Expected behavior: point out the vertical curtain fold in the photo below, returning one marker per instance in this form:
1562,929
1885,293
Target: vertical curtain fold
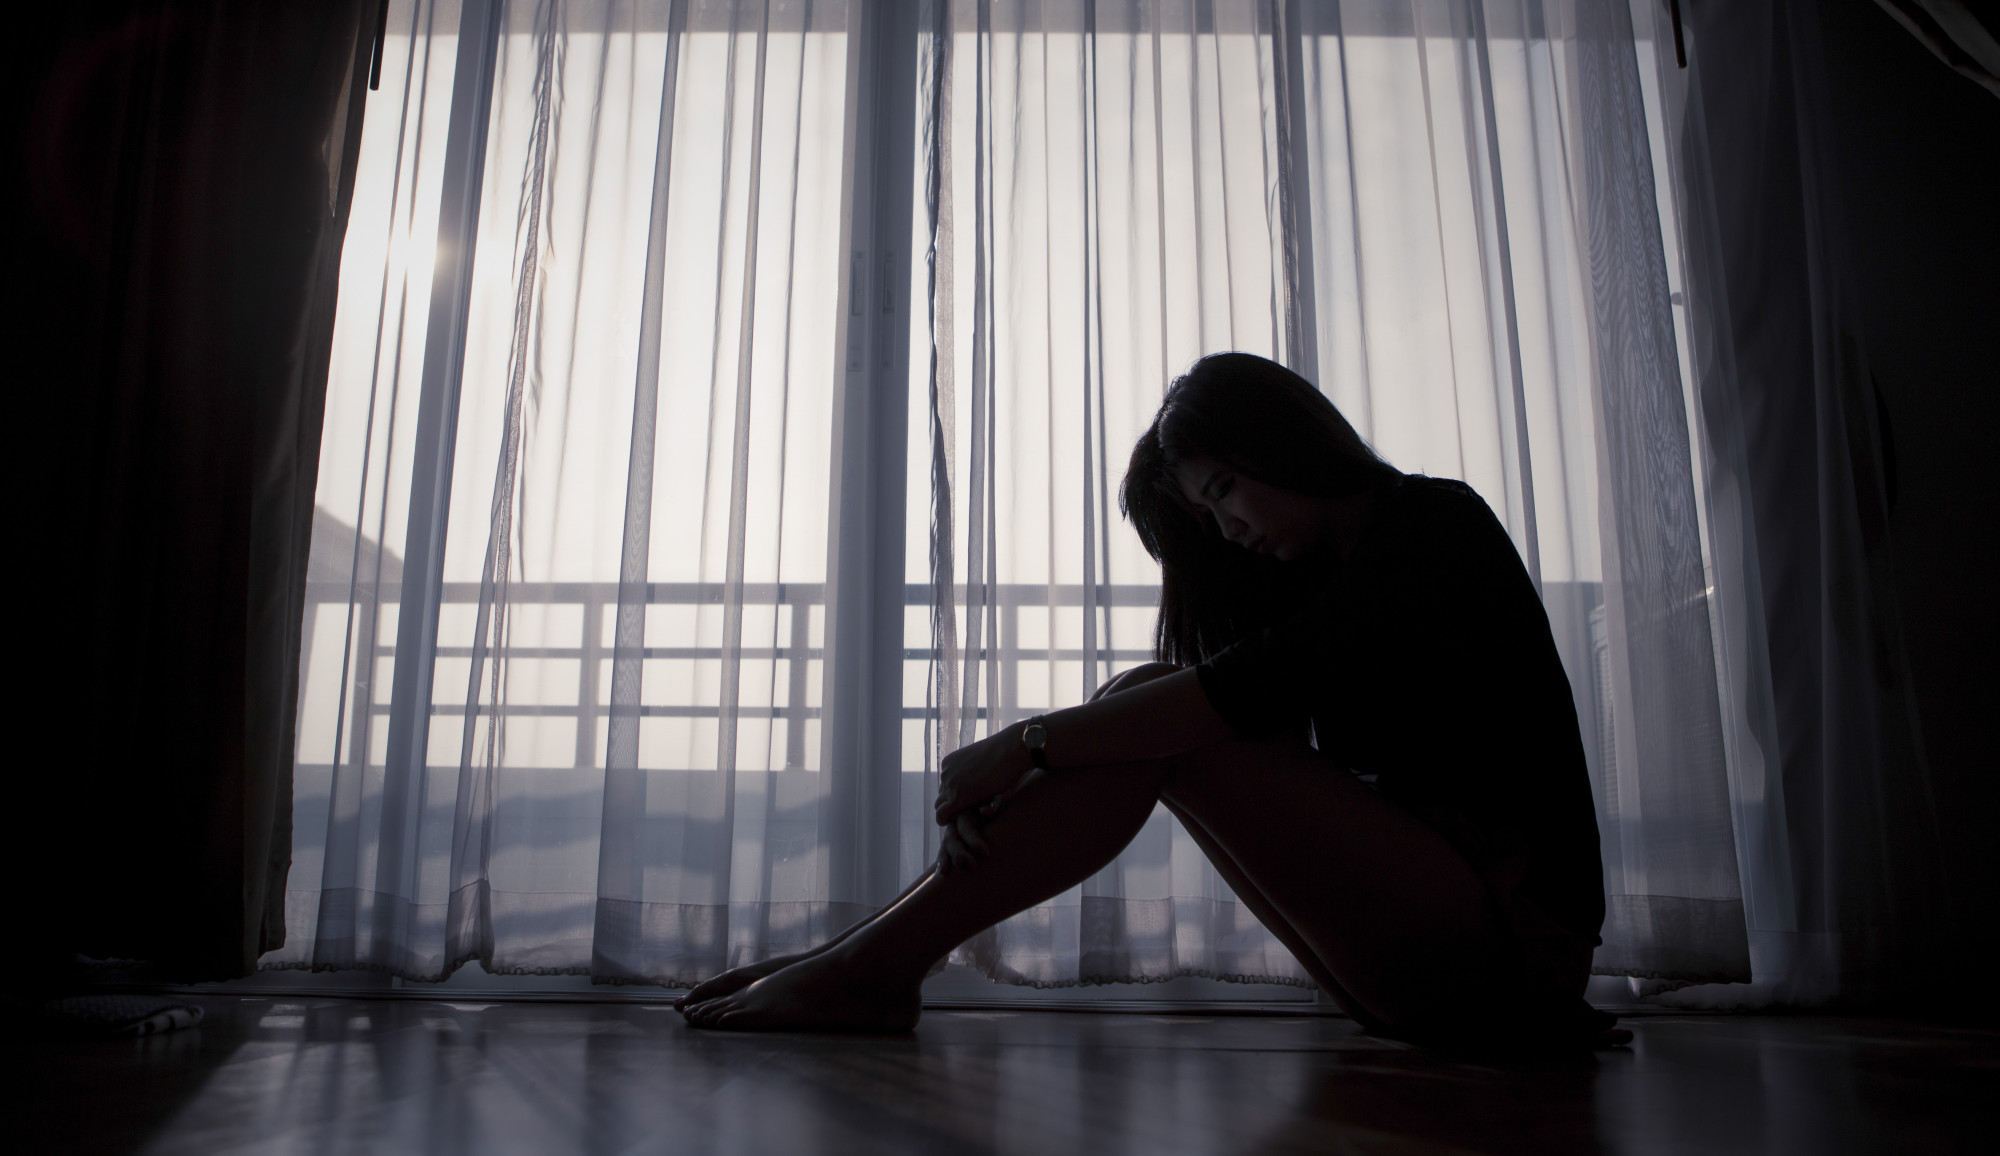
617,935
1675,907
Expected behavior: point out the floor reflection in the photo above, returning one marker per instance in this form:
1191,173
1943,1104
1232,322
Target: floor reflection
326,1075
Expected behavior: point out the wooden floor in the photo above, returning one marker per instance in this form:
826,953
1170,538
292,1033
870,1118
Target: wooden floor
394,1076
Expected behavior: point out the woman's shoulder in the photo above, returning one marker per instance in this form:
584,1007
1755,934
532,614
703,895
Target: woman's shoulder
1437,526
1417,501
1425,490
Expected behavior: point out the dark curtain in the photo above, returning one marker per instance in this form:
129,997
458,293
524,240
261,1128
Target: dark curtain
1853,191
181,175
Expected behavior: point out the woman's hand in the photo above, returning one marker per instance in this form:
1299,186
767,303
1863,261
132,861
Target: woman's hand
982,774
962,846
1165,713
976,781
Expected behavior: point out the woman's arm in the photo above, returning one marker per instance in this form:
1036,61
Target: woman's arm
1158,719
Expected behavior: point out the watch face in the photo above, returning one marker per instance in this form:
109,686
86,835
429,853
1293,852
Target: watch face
1035,735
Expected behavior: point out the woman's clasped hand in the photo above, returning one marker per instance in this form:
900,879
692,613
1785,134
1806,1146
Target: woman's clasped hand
976,781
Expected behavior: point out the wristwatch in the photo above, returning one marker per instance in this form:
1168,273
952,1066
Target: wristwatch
1035,737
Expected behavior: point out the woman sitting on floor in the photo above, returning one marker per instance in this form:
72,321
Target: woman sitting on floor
1325,620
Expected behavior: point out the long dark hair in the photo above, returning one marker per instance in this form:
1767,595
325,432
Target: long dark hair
1268,423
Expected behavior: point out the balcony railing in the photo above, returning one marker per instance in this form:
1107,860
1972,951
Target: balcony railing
796,651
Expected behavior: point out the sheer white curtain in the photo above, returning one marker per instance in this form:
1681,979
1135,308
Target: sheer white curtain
566,629
1445,214
659,554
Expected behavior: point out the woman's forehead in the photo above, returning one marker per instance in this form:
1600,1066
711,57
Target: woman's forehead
1194,474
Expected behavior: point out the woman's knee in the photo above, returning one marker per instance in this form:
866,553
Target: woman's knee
1138,675
1145,672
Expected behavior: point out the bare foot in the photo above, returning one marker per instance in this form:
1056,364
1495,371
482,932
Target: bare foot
738,978
822,993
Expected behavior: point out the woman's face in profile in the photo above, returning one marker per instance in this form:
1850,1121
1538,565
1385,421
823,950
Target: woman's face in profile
1255,515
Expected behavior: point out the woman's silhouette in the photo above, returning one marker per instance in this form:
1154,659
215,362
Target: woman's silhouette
1358,713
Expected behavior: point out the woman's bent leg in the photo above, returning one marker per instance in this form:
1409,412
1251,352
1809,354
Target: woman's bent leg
1253,897
1048,839
1367,896
1374,896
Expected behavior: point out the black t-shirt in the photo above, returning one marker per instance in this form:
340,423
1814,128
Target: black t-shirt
1425,660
